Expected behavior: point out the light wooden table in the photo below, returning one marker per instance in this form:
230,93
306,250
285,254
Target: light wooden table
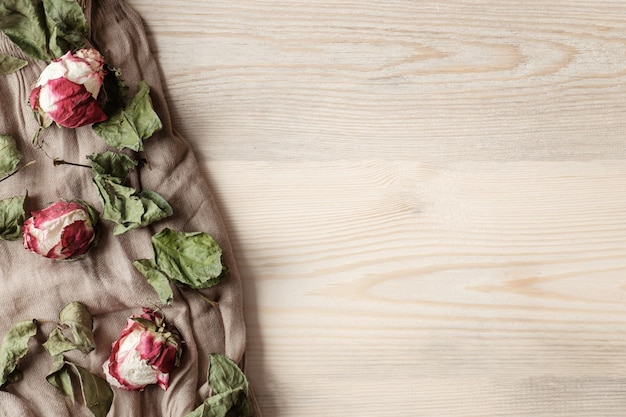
427,199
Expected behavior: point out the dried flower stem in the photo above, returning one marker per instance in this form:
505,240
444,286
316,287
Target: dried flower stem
58,162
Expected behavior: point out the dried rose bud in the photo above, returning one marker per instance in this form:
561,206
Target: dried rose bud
67,90
145,353
64,230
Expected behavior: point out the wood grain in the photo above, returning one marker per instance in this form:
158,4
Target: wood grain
406,289
495,80
426,199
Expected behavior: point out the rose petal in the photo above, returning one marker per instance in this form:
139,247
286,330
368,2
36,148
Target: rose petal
163,380
55,211
166,361
60,231
157,351
141,355
73,106
76,239
125,368
34,98
148,347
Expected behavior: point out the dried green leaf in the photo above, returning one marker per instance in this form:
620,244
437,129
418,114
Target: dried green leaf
127,208
58,343
95,392
157,279
10,156
191,259
224,375
14,347
24,23
9,64
131,126
230,391
66,24
153,208
123,205
112,164
12,216
117,200
141,113
59,377
44,29
76,319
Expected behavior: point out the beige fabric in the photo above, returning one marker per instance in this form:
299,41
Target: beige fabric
33,287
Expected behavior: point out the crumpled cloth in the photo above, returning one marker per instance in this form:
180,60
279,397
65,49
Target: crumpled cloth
33,287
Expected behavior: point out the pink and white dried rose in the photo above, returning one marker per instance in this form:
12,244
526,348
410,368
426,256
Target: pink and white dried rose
145,353
65,230
67,90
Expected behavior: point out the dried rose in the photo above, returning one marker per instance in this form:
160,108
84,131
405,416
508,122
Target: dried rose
68,88
64,230
145,353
